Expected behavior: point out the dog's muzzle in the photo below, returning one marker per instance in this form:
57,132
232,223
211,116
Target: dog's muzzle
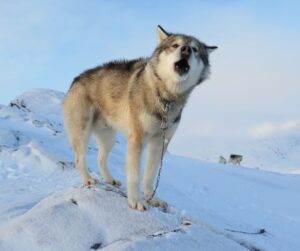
182,66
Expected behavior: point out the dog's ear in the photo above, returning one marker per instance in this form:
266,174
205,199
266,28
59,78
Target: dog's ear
210,49
161,34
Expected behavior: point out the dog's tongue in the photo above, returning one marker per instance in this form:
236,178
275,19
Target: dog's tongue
182,66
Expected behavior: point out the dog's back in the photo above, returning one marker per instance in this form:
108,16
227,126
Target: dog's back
101,91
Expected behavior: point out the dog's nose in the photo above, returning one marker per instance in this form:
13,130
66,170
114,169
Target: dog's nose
186,51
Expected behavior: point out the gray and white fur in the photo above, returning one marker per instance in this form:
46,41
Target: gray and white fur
129,96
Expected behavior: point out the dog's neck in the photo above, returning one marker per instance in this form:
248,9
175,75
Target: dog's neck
161,92
167,100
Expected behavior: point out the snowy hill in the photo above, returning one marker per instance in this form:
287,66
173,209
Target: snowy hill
278,152
212,207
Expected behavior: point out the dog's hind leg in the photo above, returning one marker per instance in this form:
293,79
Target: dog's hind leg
105,138
78,119
79,145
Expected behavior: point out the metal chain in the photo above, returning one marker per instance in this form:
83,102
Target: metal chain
160,166
164,127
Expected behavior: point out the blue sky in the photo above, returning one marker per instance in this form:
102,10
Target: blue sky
255,71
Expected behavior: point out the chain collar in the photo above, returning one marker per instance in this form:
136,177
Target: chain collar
166,106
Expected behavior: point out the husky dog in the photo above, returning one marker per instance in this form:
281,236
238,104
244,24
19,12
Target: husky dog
141,98
222,160
235,159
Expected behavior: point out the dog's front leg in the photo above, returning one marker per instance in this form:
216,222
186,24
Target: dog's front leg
155,153
133,159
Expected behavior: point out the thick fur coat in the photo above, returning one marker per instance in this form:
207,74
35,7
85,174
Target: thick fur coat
130,97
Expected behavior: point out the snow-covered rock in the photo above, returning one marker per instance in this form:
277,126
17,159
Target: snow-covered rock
99,218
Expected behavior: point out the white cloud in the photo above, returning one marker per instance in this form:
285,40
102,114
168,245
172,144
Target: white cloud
263,130
269,129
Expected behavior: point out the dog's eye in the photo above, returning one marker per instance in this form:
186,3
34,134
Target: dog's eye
175,46
195,49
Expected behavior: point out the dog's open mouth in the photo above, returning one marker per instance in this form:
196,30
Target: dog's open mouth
182,66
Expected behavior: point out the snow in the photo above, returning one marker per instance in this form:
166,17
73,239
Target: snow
43,205
82,217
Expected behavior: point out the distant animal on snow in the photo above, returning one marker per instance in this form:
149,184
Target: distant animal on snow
222,160
235,159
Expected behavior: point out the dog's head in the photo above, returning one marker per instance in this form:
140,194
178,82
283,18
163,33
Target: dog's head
180,61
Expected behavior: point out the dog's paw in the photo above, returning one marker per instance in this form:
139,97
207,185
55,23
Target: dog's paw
114,182
140,205
155,202
91,181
